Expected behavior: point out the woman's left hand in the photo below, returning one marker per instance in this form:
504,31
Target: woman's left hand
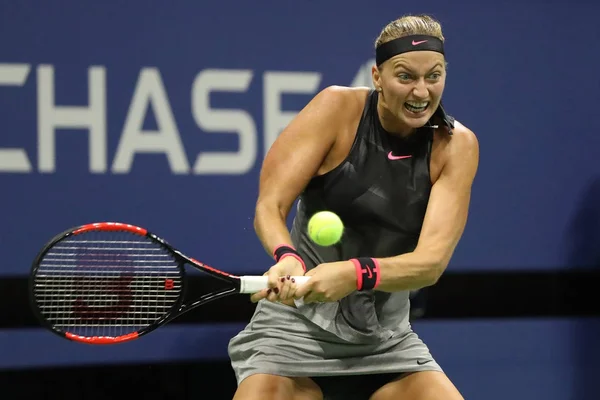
328,282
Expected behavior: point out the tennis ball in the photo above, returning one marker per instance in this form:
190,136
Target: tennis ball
325,228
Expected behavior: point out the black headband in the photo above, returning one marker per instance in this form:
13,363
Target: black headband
406,44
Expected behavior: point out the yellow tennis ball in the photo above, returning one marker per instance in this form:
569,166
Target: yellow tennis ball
325,228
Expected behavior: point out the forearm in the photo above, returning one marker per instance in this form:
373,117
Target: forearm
409,271
270,226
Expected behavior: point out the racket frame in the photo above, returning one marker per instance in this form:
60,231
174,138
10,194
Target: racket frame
178,308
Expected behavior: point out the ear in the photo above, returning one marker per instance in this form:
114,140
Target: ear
376,75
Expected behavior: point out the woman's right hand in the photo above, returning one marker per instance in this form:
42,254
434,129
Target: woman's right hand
281,285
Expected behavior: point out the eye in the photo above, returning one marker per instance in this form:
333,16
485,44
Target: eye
435,76
404,76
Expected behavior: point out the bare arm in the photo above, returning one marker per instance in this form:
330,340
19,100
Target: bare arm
444,222
293,159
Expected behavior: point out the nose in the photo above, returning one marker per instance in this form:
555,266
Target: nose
420,90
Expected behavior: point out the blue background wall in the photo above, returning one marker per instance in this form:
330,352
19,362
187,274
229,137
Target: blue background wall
171,83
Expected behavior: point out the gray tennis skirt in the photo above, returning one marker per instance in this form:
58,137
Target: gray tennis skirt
317,340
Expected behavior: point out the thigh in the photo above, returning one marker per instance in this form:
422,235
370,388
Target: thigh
424,385
275,387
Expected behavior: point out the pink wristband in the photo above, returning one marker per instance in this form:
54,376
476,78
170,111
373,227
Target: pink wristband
284,250
367,273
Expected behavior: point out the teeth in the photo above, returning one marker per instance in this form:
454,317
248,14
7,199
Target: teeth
417,104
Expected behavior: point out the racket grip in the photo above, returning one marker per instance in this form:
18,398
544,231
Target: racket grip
253,284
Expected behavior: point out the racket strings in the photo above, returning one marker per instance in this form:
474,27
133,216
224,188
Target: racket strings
106,283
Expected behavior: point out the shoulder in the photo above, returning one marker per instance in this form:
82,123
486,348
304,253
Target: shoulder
463,141
344,99
329,113
459,152
462,138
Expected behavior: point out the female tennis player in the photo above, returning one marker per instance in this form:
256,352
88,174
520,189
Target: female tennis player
398,170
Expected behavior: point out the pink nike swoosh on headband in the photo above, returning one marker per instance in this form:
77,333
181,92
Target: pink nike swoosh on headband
419,42
393,157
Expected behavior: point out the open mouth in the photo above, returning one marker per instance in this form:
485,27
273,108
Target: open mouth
416,107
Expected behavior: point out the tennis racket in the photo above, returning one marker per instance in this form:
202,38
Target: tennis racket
109,282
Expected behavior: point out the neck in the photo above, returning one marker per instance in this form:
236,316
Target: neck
390,123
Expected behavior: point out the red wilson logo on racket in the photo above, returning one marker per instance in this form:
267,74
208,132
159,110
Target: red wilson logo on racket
117,288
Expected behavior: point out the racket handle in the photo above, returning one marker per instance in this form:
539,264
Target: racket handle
253,284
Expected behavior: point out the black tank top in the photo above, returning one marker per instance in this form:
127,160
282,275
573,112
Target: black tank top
380,191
